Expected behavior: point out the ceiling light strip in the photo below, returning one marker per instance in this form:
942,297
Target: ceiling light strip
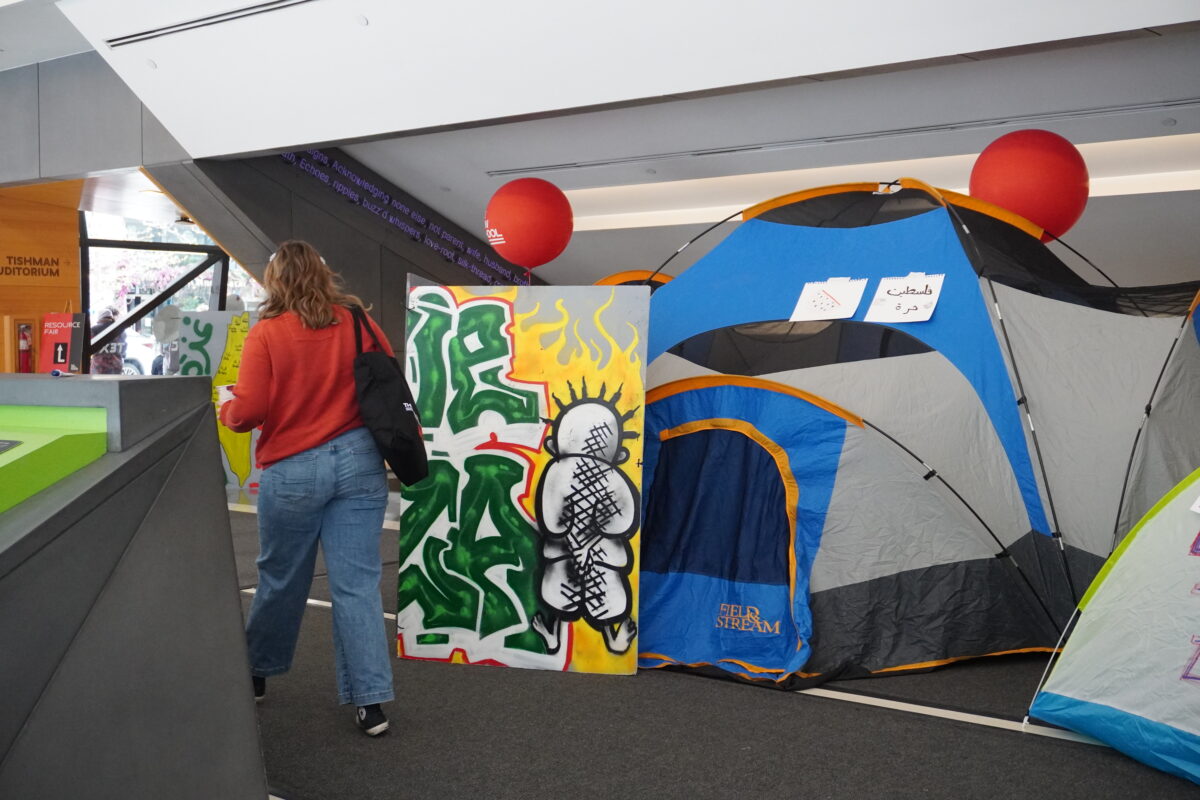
1191,102
656,218
204,22
1112,186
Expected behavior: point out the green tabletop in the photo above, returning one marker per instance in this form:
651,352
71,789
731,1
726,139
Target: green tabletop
41,445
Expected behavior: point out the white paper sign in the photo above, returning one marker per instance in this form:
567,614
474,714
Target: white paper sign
1196,505
909,299
836,298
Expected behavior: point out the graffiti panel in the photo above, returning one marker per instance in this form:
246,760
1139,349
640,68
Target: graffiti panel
210,343
521,546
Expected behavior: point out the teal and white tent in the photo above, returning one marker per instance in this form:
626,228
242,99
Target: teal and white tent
1130,672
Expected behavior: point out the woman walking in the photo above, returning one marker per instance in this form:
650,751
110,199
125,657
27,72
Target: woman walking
323,480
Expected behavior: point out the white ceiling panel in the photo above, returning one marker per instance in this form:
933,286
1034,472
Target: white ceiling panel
1131,105
658,118
331,70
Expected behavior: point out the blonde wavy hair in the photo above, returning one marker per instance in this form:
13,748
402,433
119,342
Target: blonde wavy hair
298,280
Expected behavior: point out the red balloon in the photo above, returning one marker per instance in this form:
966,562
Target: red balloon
1034,173
529,222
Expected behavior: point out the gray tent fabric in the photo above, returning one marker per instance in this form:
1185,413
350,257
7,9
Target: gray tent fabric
900,395
1167,450
899,557
668,368
1087,375
909,523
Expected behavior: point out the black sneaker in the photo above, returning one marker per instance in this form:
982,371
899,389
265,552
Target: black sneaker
371,720
260,688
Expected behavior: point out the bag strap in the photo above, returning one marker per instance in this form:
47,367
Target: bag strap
360,322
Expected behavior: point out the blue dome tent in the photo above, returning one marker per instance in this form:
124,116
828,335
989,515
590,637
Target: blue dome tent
845,498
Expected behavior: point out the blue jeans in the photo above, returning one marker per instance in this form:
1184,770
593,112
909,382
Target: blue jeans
334,494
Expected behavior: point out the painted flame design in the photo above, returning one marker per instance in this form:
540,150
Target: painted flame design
556,354
570,360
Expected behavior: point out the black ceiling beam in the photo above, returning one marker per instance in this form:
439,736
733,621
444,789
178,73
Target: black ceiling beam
122,244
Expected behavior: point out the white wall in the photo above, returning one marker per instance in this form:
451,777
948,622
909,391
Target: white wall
333,70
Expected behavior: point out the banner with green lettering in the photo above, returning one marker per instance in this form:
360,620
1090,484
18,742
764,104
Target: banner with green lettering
520,548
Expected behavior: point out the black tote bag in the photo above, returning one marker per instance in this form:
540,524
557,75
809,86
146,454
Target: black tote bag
387,407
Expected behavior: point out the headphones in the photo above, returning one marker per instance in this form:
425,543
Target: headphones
272,258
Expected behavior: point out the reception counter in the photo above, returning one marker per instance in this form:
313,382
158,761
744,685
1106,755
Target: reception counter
123,662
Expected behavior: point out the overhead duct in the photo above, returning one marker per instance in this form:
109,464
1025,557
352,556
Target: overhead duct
204,22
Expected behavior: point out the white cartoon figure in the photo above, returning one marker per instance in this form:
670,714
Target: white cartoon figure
587,511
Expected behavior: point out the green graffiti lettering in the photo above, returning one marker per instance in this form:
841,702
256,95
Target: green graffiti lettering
446,599
198,361
427,499
480,354
490,479
434,320
452,587
470,550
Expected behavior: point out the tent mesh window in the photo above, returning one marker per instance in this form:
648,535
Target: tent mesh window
719,509
763,348
998,250
852,209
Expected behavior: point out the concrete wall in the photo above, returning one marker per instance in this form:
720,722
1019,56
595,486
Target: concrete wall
124,659
251,205
73,117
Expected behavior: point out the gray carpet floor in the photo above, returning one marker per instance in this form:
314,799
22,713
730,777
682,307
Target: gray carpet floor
997,687
472,731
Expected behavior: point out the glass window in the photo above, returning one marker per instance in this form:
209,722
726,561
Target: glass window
244,287
123,278
107,226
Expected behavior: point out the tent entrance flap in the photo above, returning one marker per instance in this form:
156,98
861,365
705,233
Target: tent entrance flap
733,526
734,594
769,544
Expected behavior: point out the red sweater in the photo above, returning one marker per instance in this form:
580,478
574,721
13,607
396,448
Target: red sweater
297,383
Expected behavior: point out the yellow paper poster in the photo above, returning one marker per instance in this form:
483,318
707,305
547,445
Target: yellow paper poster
211,343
